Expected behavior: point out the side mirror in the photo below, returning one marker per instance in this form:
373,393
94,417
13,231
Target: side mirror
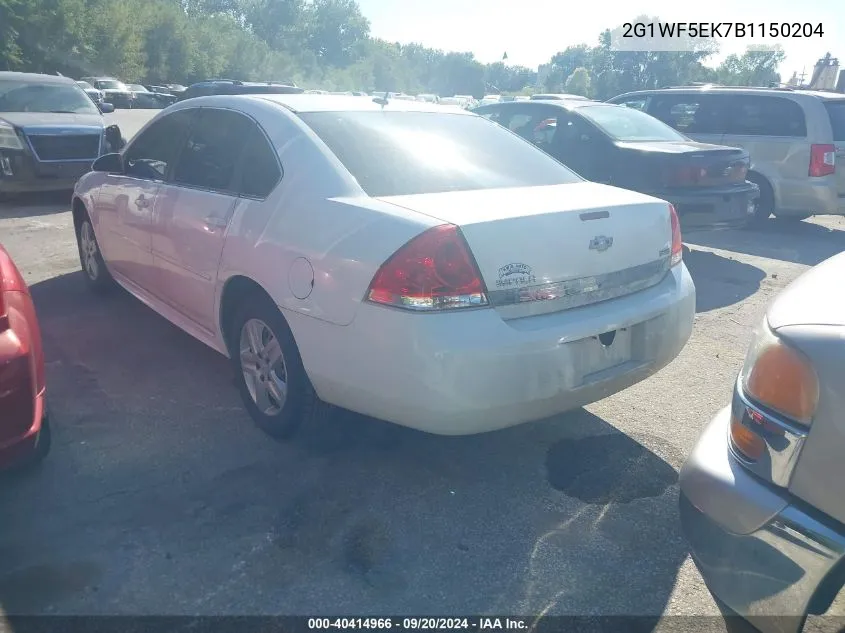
109,163
106,108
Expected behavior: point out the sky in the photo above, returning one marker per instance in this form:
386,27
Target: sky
531,31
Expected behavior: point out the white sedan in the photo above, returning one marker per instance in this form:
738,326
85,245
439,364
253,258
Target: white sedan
411,262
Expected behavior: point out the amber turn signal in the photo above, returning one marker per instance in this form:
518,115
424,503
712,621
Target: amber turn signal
746,441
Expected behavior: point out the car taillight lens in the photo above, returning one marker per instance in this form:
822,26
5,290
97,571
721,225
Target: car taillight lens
4,318
822,160
434,271
780,378
677,242
685,176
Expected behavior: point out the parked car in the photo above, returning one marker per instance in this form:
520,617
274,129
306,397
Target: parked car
115,92
24,416
295,232
50,133
629,149
145,98
761,494
96,96
557,97
234,87
793,136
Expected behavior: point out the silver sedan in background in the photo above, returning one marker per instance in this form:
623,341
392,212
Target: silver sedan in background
762,501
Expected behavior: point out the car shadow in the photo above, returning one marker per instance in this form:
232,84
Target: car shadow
161,497
798,242
34,204
720,281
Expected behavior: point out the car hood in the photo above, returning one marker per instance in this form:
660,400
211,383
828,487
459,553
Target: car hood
813,298
676,147
54,119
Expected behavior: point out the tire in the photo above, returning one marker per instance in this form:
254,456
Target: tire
278,395
765,204
94,269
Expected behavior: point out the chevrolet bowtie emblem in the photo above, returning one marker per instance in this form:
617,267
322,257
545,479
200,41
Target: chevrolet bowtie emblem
601,243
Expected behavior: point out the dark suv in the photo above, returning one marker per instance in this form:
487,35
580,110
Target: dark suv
235,87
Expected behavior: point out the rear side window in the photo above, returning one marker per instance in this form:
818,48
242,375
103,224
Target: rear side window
259,166
690,113
405,153
754,115
836,112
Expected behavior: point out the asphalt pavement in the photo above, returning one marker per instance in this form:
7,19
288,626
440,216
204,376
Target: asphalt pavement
161,497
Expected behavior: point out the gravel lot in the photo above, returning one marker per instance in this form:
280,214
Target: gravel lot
161,497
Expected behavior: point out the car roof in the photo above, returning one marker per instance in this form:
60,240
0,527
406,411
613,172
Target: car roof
304,102
36,78
768,92
565,104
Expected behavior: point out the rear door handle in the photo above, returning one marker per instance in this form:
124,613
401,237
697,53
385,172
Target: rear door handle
141,202
213,222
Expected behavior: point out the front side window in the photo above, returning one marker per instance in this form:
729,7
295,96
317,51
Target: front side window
625,124
636,103
214,145
21,96
153,151
404,153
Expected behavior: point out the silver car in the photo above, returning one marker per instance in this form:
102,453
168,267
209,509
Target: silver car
762,502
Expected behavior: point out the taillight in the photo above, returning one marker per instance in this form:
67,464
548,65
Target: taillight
685,176
434,271
677,242
4,318
822,160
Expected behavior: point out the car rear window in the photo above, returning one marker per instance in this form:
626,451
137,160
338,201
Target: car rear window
626,124
405,153
836,111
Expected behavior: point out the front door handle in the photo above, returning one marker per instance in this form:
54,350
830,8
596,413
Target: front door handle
141,202
213,222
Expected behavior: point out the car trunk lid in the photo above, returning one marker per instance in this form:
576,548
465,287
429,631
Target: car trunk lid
545,249
688,164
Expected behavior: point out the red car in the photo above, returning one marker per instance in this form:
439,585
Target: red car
24,427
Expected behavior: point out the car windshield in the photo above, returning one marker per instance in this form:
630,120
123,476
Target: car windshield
110,84
85,85
405,153
137,88
20,96
625,124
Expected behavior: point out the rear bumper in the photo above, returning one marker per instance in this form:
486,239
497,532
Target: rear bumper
814,196
472,372
21,173
760,552
19,449
712,208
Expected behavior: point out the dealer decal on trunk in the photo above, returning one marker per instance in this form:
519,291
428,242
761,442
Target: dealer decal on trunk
515,274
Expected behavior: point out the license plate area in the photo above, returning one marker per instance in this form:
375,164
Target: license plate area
603,353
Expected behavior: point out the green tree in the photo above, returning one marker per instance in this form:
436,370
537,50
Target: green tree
578,83
752,68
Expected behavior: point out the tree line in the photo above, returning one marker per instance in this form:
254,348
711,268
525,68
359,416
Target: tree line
322,44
